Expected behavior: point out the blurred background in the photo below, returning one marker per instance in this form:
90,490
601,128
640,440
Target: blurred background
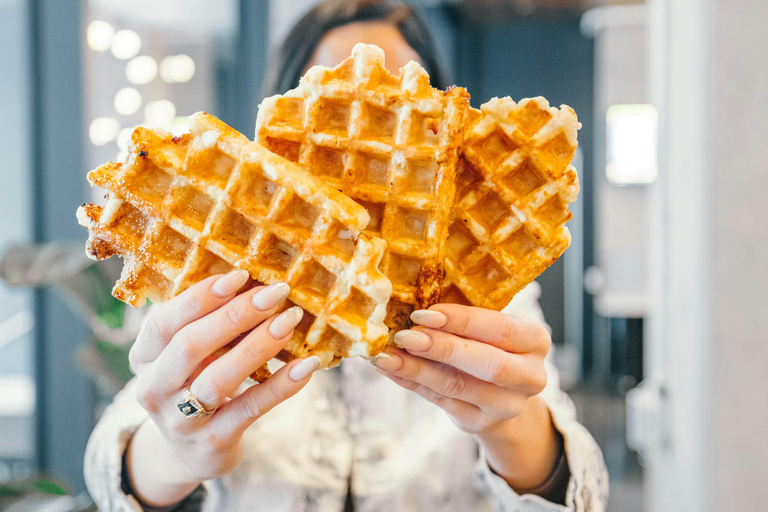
659,310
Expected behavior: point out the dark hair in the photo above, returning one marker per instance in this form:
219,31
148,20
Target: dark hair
289,63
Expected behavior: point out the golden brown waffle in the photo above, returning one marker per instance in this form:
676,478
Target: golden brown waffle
390,143
183,208
514,185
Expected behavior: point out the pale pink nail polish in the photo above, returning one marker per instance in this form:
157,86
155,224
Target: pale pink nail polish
228,284
302,370
271,296
427,318
413,340
284,324
388,362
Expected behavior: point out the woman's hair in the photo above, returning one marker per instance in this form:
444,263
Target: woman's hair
289,63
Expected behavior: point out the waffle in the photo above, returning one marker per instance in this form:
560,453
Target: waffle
389,142
514,185
183,208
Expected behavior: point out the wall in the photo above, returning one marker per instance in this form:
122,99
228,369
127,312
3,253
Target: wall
707,341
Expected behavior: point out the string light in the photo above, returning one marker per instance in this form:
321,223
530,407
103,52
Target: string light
141,70
126,44
103,130
99,35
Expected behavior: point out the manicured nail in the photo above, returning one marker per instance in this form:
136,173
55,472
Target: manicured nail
433,319
387,361
413,340
271,296
284,324
229,283
302,370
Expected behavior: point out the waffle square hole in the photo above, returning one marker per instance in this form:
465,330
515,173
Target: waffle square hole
277,254
560,149
172,247
328,162
290,112
487,275
424,130
317,281
376,212
497,147
490,212
257,194
414,224
532,118
520,243
287,149
130,221
554,212
358,305
524,179
342,241
403,270
379,123
300,214
208,265
398,315
151,183
421,176
210,165
467,179
460,242
331,116
235,231
192,206
374,169
333,339
156,284
452,295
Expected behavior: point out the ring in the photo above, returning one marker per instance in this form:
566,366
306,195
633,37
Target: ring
191,407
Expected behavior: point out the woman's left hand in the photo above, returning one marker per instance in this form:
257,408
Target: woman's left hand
485,369
480,366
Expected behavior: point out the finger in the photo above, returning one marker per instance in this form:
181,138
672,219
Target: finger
170,316
239,413
512,333
223,376
198,340
519,372
449,382
467,416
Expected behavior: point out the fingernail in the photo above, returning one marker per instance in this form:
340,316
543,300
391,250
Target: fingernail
284,324
413,340
230,283
304,368
271,296
387,361
433,319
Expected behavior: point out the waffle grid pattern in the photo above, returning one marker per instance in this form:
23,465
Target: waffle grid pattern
390,143
182,209
514,185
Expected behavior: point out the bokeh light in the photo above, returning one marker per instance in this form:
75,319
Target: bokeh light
177,69
159,113
123,139
126,44
141,70
103,130
127,101
99,35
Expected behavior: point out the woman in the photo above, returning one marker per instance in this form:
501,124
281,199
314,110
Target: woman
351,438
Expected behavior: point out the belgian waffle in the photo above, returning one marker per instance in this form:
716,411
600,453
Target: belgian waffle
183,208
389,142
514,185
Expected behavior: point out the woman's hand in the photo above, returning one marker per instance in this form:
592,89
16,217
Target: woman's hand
171,454
485,369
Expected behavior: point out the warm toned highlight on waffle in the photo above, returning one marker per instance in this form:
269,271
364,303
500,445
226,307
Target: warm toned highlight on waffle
389,142
514,185
183,208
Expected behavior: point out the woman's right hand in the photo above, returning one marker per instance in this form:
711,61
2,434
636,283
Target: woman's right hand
171,454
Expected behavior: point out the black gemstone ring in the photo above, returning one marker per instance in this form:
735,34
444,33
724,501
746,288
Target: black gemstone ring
191,407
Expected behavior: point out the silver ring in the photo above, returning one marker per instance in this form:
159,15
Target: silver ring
191,407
